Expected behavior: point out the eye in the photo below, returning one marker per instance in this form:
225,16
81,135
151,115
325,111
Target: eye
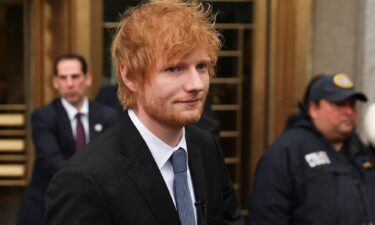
202,66
61,77
173,69
350,103
76,76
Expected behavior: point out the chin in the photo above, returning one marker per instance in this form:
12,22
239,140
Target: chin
184,120
187,121
71,99
348,130
344,134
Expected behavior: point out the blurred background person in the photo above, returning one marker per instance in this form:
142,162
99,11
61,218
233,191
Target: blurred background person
318,171
61,128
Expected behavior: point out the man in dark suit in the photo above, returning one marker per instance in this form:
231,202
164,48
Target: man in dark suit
58,133
151,167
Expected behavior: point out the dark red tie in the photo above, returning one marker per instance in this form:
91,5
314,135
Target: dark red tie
80,133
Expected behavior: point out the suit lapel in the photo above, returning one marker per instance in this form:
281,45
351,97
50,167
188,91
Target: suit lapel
142,169
64,126
93,120
197,174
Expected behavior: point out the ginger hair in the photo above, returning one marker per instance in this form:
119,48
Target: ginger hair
161,31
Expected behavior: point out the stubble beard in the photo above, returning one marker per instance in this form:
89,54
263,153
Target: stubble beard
174,117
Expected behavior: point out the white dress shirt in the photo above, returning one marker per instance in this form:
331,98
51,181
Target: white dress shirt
72,112
161,153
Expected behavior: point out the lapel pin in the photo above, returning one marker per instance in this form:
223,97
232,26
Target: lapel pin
98,127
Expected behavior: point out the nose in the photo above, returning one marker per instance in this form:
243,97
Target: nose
69,82
194,81
350,109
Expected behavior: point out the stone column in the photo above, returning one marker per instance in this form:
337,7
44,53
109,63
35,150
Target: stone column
365,52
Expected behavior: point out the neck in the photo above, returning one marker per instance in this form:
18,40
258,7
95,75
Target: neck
335,138
337,141
337,145
78,105
168,134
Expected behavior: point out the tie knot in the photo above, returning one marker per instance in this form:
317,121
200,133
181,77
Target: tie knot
78,115
178,160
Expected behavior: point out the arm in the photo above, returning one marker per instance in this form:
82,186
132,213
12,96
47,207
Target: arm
46,143
74,198
270,201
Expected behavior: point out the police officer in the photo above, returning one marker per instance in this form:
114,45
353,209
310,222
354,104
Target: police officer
318,172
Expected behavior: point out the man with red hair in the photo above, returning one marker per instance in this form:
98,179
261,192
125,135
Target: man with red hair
152,167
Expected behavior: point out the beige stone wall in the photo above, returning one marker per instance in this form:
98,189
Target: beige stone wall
366,63
334,36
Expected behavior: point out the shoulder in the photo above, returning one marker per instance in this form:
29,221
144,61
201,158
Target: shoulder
293,137
292,145
98,107
48,111
102,113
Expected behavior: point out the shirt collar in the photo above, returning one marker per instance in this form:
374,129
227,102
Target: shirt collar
159,149
72,111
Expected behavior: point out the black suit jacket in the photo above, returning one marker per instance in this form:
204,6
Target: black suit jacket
115,181
54,144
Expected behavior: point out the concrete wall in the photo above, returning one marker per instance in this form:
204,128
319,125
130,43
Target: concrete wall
366,64
334,36
366,55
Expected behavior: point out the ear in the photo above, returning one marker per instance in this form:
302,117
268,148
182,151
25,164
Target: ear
125,77
55,82
88,79
312,109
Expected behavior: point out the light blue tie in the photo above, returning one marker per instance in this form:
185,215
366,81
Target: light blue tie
181,188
